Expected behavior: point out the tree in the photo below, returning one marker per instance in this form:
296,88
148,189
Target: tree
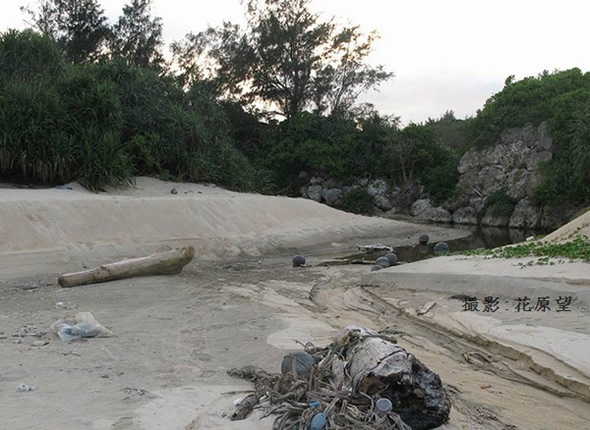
78,26
137,36
287,58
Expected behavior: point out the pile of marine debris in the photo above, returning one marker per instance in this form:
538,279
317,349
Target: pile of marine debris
362,380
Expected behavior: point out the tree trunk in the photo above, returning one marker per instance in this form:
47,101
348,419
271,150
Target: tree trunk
167,262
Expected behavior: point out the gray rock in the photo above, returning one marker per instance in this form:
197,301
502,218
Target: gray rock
533,159
420,206
363,182
525,215
332,183
517,182
303,191
511,163
544,141
314,192
436,215
39,343
465,215
492,219
316,180
383,202
378,187
332,196
376,267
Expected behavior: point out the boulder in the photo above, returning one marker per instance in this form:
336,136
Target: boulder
303,191
517,182
314,192
420,206
383,202
436,215
525,215
378,187
332,196
465,215
493,219
332,183
513,163
316,180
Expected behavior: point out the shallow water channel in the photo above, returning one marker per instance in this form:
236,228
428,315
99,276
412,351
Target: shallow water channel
480,237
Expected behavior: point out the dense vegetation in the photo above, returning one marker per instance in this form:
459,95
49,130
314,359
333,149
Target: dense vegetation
577,248
247,107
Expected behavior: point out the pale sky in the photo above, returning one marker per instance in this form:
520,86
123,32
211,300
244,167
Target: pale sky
446,54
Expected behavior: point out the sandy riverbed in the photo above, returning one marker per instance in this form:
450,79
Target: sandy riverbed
239,302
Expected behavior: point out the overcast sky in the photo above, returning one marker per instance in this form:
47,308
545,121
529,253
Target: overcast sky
446,54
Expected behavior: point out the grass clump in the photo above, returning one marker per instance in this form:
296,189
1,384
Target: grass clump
576,249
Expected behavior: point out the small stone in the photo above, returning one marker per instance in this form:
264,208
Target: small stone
24,388
39,343
376,267
423,239
17,341
173,191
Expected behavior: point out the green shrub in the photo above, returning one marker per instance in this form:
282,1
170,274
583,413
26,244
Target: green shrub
357,201
501,204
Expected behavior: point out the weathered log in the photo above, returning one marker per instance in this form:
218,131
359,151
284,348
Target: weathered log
378,366
168,262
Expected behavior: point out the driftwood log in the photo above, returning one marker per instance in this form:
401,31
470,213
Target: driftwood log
162,262
350,375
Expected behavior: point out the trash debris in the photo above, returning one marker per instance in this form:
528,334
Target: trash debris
383,262
82,325
298,261
24,388
361,380
426,308
377,247
318,422
392,258
423,239
303,363
384,404
441,248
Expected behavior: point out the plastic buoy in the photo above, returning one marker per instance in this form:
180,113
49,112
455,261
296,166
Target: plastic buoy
392,258
318,422
382,261
384,404
303,364
298,261
441,248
